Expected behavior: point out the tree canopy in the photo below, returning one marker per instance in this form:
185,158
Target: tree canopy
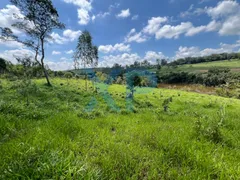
39,18
3,65
86,53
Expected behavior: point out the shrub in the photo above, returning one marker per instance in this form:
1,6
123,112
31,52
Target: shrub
27,88
166,103
210,130
68,75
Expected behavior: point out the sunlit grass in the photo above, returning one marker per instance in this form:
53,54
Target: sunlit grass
54,138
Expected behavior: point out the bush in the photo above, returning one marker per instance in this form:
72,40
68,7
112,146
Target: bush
166,103
68,75
210,130
27,88
177,77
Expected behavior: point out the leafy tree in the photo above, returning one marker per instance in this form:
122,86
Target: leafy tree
3,65
133,79
158,64
27,65
213,57
68,75
136,64
164,62
86,53
145,63
40,19
116,66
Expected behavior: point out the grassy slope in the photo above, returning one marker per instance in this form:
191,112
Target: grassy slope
52,138
233,64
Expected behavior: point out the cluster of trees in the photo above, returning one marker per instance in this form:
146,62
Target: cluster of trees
213,57
39,20
143,64
3,65
214,77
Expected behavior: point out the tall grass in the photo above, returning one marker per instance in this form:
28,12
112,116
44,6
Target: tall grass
54,137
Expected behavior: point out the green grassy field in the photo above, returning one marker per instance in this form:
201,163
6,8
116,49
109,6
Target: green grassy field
60,136
233,64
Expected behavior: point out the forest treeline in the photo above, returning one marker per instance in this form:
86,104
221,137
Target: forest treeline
201,59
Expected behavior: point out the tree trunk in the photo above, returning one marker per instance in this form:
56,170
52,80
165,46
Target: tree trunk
86,85
46,76
42,63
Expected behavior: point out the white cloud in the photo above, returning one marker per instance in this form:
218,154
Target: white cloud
227,13
68,35
84,7
223,9
187,52
69,52
231,26
123,59
212,26
11,44
107,13
93,18
56,53
83,16
135,17
188,12
80,3
65,59
224,18
116,48
168,31
71,35
133,36
127,58
204,1
152,56
112,6
60,66
124,13
103,15
56,38
154,24
8,17
11,54
195,30
195,51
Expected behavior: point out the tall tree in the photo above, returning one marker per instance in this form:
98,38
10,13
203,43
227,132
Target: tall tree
86,53
39,19
3,65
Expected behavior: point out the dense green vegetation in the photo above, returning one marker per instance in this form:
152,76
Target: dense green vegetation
168,134
233,64
113,123
211,58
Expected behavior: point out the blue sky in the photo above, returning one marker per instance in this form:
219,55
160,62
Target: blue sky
133,30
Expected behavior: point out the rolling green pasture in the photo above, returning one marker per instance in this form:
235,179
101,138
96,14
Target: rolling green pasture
67,132
234,65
